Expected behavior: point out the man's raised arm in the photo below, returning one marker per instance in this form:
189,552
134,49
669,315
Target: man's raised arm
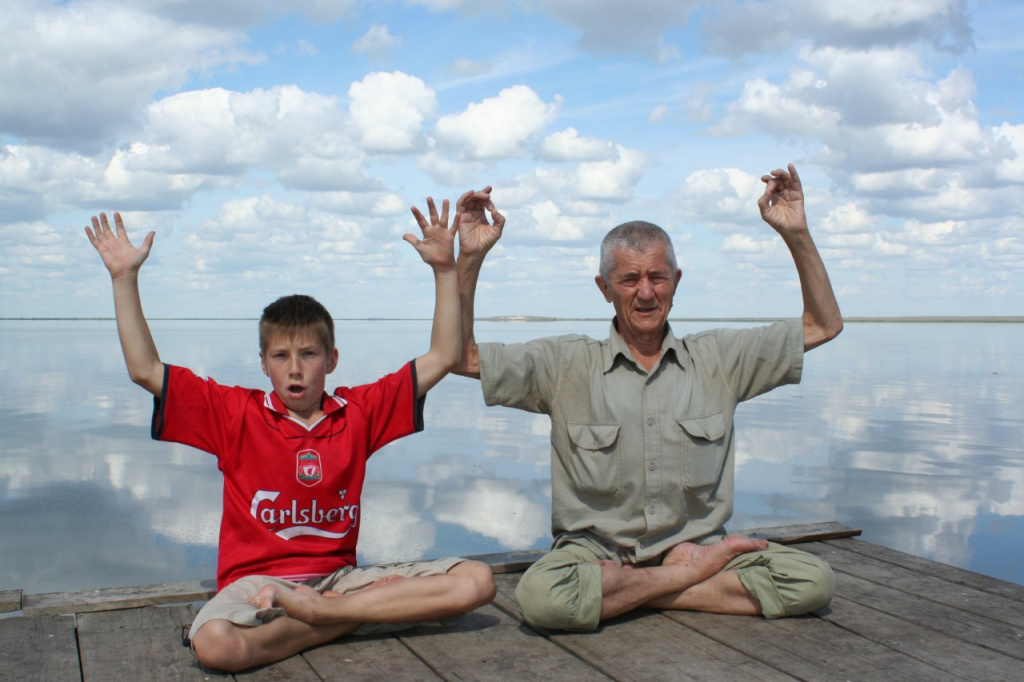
476,237
782,207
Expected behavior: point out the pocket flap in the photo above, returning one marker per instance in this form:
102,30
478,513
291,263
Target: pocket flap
593,436
711,427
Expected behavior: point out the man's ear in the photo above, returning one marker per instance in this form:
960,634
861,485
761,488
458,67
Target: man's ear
332,360
603,286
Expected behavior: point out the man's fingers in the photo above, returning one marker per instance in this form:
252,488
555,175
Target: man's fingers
794,176
497,218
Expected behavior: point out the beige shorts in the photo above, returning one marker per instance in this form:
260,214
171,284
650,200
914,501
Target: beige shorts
232,603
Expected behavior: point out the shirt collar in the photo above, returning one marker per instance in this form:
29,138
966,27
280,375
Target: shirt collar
329,404
616,346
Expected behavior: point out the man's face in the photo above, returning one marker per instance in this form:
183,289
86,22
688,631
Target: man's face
640,287
298,366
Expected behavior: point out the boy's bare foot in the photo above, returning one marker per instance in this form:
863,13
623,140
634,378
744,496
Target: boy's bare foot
301,603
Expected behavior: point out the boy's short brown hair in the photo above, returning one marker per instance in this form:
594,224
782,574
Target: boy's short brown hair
298,312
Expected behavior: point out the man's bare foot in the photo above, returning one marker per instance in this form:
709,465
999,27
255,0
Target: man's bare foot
710,559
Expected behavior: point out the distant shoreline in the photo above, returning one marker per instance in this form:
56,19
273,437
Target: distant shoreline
930,319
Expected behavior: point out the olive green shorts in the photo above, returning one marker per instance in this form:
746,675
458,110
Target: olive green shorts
562,590
232,602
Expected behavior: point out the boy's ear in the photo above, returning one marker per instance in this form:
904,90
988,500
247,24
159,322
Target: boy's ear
263,363
332,360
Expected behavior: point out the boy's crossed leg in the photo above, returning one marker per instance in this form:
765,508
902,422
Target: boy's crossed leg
309,616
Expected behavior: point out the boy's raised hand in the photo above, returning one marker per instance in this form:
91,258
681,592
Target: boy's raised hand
437,248
117,252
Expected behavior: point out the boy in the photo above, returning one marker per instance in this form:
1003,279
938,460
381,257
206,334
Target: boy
293,462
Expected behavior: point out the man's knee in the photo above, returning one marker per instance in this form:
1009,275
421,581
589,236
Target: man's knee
561,594
817,587
790,583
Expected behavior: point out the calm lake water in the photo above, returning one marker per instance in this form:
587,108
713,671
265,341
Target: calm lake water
912,432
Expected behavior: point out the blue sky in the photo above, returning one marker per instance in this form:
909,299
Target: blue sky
276,147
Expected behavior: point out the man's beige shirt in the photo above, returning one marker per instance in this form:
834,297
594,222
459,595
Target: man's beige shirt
641,461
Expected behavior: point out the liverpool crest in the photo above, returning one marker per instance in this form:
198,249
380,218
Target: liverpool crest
307,468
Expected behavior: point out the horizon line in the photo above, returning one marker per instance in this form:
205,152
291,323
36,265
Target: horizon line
543,318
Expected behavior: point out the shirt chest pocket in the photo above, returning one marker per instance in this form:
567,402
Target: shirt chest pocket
703,449
593,461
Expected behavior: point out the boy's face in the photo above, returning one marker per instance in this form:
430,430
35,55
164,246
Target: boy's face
298,365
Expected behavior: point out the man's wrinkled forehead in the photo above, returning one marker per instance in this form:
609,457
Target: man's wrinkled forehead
652,259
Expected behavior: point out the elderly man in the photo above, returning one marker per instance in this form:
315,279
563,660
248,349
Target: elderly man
642,443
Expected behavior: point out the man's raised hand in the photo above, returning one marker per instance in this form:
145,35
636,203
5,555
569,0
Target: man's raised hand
476,234
782,204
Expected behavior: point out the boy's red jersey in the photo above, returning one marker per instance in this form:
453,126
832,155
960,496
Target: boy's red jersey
291,492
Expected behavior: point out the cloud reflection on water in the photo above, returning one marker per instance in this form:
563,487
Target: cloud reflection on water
911,432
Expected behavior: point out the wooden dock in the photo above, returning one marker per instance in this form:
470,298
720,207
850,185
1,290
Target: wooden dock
895,617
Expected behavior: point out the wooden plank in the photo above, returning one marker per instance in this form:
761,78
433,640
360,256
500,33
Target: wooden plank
645,646
809,648
38,649
510,562
137,644
960,625
87,601
488,644
953,574
951,654
913,582
10,600
367,659
293,668
801,532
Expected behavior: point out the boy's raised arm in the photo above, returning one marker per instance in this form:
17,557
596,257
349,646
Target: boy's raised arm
123,262
437,249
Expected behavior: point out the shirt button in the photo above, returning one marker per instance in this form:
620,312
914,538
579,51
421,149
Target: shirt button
650,422
652,510
652,466
643,545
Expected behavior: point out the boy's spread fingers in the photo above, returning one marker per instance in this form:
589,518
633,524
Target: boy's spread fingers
420,219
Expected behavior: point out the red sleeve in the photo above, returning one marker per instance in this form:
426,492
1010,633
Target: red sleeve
197,411
388,406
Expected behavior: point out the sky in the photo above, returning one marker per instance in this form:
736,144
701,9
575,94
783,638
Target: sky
276,147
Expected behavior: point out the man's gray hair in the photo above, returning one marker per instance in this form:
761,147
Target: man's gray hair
636,235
